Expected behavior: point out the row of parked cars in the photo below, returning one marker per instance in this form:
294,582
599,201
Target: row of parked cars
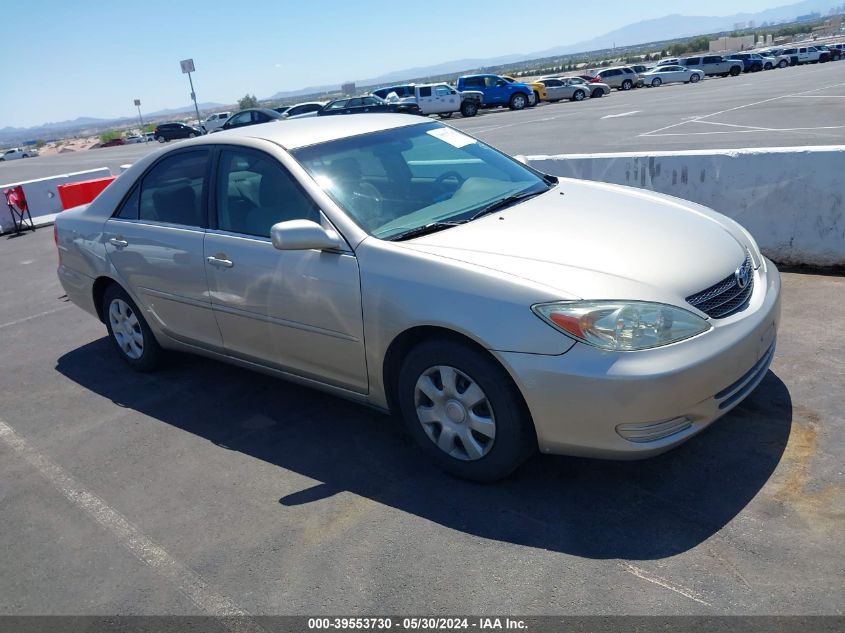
486,90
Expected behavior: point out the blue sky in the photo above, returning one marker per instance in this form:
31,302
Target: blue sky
86,58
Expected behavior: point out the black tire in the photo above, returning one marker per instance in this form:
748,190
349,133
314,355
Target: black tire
694,78
579,95
627,84
25,156
768,66
536,99
735,70
597,93
161,139
151,351
655,83
514,440
191,135
783,63
469,108
518,101
445,115
756,68
2,160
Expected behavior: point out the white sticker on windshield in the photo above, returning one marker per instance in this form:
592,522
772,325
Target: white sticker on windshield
453,137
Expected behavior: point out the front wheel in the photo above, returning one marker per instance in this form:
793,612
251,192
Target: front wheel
656,82
735,70
191,135
464,411
627,84
694,79
768,66
783,63
536,98
128,331
578,95
518,101
469,108
161,139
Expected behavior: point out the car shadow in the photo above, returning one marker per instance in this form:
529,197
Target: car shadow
646,509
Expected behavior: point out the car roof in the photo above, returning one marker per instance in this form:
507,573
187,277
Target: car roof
296,133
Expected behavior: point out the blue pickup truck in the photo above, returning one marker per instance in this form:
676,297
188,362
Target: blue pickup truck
497,91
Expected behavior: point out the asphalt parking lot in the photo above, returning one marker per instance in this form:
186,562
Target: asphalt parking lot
207,489
802,105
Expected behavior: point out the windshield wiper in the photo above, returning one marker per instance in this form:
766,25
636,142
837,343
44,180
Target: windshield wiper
505,202
433,227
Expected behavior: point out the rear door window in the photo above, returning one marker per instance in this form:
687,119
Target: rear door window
172,192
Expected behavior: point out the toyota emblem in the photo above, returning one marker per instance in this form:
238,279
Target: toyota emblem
743,276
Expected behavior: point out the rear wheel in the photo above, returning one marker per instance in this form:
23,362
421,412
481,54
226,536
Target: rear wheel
656,82
128,331
191,135
783,63
768,66
161,139
464,411
536,97
469,108
735,70
446,115
598,92
518,101
756,68
627,84
578,95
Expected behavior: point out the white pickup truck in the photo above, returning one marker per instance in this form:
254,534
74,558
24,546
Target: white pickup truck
802,54
441,99
17,152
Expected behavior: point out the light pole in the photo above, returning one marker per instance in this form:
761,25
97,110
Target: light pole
187,68
140,118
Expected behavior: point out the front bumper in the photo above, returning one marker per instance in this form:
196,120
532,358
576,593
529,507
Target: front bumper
584,401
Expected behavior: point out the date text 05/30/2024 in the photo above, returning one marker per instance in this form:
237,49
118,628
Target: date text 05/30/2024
417,623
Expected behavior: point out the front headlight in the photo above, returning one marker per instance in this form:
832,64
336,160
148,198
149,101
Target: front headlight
622,326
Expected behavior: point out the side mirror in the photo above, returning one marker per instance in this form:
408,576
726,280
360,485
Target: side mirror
303,235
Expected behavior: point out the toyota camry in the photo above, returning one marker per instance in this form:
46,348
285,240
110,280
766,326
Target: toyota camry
403,264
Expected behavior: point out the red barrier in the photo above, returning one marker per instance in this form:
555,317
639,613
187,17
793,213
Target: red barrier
73,194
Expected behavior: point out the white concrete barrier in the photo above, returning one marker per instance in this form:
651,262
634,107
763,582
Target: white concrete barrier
791,199
43,197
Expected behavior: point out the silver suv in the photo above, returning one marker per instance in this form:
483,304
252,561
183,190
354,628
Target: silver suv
621,78
713,65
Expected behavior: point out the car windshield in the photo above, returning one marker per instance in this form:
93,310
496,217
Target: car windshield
397,181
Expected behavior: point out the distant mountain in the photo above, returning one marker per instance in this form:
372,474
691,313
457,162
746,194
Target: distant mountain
656,30
210,105
675,26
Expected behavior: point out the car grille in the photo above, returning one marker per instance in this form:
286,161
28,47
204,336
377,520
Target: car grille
725,297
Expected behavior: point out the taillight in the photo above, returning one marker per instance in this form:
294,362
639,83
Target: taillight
595,80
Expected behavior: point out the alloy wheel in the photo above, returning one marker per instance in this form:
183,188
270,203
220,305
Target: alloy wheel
126,329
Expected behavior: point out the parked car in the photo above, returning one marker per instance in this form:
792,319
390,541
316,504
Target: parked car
752,62
780,60
799,55
538,88
837,50
303,108
439,98
498,91
281,109
112,142
365,105
170,131
668,61
15,153
639,68
713,65
250,116
829,53
596,88
135,138
671,74
214,121
559,88
371,270
620,77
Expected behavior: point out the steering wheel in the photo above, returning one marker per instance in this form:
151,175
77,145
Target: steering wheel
450,175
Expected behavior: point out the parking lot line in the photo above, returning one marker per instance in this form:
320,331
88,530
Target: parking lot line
747,105
144,549
34,316
644,575
787,129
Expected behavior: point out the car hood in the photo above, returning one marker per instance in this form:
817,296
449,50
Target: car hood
593,240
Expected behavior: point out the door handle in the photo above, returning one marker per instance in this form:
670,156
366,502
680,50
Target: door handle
119,242
220,262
